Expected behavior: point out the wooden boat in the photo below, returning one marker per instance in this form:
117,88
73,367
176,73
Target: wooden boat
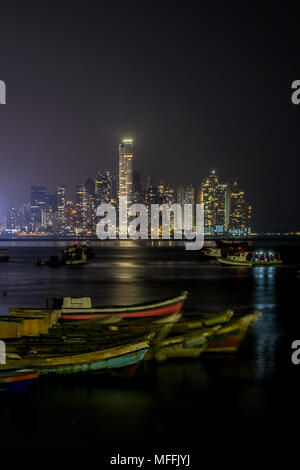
3,255
19,324
16,379
245,258
189,325
75,256
229,337
186,345
122,359
81,309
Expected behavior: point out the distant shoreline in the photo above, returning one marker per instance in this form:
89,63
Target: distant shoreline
237,238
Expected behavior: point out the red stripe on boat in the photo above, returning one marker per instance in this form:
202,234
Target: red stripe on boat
18,378
142,314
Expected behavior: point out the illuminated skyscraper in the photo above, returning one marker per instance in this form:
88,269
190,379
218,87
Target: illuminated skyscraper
103,188
152,194
125,169
37,204
186,195
222,208
14,218
70,216
61,203
208,197
82,208
240,211
166,193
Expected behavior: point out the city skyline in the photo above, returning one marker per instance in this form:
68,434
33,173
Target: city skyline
196,88
226,206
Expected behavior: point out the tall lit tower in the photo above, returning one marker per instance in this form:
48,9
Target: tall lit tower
125,169
61,202
37,205
208,197
240,211
103,188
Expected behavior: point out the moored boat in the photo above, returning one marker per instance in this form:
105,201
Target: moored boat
188,345
210,251
188,325
81,309
245,258
16,379
229,337
119,359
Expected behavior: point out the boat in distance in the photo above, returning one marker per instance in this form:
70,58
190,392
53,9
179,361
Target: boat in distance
81,309
244,258
16,379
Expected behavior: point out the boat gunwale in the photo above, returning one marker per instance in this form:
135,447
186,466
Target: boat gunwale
106,309
85,357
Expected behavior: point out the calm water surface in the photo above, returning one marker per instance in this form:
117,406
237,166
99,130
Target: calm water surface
178,405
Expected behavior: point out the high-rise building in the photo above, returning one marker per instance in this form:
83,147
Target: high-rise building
38,203
137,182
61,206
91,206
137,188
25,213
103,188
186,195
125,169
166,193
240,211
14,219
49,219
82,208
222,208
70,217
90,186
51,201
208,197
152,194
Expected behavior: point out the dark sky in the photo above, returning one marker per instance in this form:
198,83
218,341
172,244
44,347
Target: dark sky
198,85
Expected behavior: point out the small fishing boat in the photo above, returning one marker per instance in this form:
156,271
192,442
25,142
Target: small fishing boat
3,255
75,258
229,337
81,309
16,379
187,345
123,360
77,247
187,325
245,258
210,251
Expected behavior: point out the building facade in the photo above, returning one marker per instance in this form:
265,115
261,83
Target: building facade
125,169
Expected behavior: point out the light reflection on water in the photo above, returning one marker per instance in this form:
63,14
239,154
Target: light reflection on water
162,401
267,333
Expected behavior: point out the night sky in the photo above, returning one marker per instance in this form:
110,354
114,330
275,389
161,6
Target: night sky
198,85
